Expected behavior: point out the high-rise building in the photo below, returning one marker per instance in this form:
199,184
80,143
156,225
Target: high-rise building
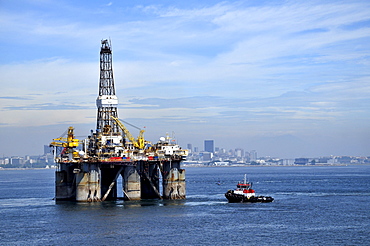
190,148
239,153
209,146
253,155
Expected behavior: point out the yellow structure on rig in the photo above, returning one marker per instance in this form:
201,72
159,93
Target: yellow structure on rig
139,142
68,142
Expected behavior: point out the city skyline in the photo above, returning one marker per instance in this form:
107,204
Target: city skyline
284,78
221,157
207,144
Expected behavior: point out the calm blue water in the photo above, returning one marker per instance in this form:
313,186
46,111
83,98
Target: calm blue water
313,206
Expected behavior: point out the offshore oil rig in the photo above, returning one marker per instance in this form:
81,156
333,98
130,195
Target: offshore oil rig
88,169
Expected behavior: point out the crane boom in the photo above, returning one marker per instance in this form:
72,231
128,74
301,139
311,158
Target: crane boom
139,142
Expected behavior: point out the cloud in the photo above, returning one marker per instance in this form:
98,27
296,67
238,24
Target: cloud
14,98
235,69
46,106
187,102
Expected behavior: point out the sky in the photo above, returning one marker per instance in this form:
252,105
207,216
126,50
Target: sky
285,78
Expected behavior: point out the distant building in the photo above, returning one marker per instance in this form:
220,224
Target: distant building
253,155
16,160
196,149
207,156
324,159
222,151
209,146
301,161
4,161
239,153
344,159
288,162
190,148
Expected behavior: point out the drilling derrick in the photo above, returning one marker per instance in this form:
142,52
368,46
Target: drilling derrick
107,100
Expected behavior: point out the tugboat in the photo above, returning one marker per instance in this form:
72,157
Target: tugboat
245,194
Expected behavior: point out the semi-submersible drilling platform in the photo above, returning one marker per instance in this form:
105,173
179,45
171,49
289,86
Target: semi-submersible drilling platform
88,169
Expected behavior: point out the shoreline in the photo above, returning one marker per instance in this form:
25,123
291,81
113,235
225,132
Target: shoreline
317,165
25,168
211,166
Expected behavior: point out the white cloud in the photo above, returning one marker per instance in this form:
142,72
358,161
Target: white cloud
254,60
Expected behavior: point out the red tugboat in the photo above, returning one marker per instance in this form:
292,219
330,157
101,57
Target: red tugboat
244,193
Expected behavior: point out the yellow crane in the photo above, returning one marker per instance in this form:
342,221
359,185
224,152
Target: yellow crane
139,142
68,142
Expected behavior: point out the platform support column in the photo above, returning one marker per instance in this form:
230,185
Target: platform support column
132,185
88,184
173,181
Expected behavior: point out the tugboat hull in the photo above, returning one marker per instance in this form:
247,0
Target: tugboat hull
237,198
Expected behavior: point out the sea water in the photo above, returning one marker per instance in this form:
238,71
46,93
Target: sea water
313,206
